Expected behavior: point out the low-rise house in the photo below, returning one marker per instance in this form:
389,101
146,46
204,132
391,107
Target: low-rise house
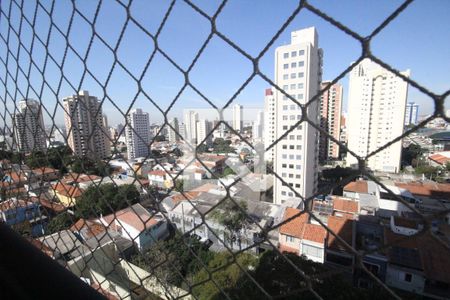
138,225
160,179
15,212
301,237
68,195
44,174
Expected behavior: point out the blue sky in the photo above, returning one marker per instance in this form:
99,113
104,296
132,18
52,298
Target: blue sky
417,40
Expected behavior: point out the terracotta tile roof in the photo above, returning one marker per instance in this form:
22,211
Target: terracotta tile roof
314,233
67,190
359,186
136,216
204,188
343,227
439,158
56,207
157,173
44,170
431,190
92,228
435,257
13,204
345,205
295,226
75,177
187,196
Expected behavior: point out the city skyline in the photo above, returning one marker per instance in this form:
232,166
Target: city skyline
121,90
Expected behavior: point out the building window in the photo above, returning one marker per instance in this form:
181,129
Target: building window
312,251
293,75
301,63
286,55
285,127
285,76
300,96
299,147
283,165
285,107
407,277
293,65
285,87
298,157
301,52
283,193
293,86
291,156
284,146
284,156
301,75
298,167
285,118
285,66
293,53
300,85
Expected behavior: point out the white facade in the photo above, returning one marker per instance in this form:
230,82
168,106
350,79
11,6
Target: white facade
137,133
203,132
376,114
238,118
269,124
298,68
29,126
86,134
258,126
172,132
190,121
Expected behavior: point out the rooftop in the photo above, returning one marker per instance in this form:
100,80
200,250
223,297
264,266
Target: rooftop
359,186
295,226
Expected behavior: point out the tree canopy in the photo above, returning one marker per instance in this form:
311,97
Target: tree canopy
105,199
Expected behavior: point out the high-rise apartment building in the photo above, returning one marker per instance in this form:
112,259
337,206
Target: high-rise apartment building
173,137
190,121
298,69
411,113
269,124
204,135
182,130
238,118
137,134
29,130
330,121
258,126
376,114
86,134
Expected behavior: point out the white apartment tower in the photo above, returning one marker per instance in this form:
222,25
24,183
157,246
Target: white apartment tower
137,132
29,128
258,126
298,69
238,118
172,131
376,114
86,134
411,114
190,121
269,124
204,135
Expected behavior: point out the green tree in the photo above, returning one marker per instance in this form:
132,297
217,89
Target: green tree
60,222
89,166
222,146
411,154
202,148
233,217
179,185
427,170
105,199
174,259
227,171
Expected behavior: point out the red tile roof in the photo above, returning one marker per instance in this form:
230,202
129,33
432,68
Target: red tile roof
67,190
92,228
431,190
295,226
157,173
136,216
359,186
439,158
56,207
314,233
342,227
345,205
44,170
13,204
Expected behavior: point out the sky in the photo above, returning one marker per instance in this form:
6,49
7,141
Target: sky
418,39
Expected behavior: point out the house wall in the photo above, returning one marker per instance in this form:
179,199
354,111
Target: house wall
288,245
395,277
321,252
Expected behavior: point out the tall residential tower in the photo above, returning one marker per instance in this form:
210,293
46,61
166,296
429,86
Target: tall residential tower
29,128
137,133
298,70
238,118
376,114
86,134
